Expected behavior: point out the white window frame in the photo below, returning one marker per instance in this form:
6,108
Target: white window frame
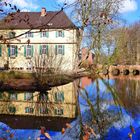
12,50
29,34
43,97
60,33
13,96
28,47
44,33
59,96
44,49
28,96
60,49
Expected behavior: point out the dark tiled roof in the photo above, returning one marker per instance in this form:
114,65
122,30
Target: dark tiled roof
33,20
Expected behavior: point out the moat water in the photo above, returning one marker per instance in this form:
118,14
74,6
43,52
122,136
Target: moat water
110,107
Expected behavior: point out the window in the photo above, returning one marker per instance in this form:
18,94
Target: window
60,49
44,110
28,51
29,34
29,110
59,96
59,33
43,97
13,96
28,96
59,111
43,49
44,34
12,109
12,51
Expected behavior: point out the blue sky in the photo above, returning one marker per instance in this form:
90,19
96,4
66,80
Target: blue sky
132,14
130,10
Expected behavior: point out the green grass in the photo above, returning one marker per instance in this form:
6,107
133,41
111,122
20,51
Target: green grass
15,75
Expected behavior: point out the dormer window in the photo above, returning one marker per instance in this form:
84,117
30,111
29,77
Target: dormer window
12,34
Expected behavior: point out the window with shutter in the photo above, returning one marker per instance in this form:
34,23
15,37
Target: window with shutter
13,96
44,110
29,110
28,51
59,96
60,49
12,109
44,34
43,97
28,96
12,51
29,35
44,49
60,33
59,111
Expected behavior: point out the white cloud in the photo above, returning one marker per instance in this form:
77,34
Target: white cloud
128,6
24,4
25,10
66,1
125,121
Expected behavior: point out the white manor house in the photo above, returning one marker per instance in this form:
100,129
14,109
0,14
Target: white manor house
43,39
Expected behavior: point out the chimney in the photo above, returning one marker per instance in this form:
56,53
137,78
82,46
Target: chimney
43,12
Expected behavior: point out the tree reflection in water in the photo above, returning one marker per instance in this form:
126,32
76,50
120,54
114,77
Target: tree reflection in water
95,115
100,105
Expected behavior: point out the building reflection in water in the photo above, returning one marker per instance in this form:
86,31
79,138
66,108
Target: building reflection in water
52,109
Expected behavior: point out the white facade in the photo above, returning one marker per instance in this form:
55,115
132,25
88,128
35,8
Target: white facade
64,40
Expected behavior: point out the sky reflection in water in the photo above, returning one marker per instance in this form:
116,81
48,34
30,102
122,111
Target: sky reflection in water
119,129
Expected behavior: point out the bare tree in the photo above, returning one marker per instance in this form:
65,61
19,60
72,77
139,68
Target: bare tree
95,19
